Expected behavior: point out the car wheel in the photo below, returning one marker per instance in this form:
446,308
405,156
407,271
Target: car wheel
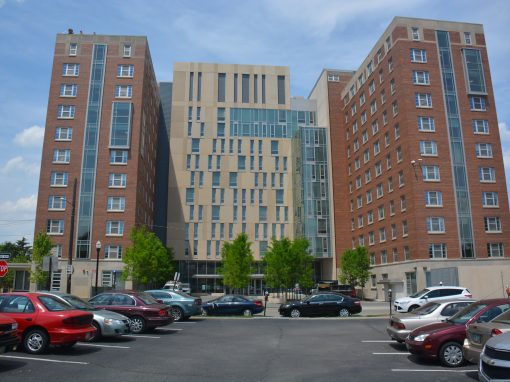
247,313
36,341
451,354
97,334
413,307
204,312
295,313
344,312
177,313
137,324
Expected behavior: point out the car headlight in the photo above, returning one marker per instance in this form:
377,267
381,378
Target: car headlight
14,326
111,321
421,337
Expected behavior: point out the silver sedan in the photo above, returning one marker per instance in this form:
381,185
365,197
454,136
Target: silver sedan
107,323
401,325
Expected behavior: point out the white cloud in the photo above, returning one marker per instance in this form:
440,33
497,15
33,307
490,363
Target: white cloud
30,137
19,164
504,133
22,205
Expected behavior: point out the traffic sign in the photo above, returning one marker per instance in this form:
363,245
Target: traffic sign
4,268
69,269
5,256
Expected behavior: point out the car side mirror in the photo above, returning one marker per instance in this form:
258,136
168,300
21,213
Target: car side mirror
160,301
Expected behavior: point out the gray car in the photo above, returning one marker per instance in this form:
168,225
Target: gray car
494,365
107,323
402,324
182,305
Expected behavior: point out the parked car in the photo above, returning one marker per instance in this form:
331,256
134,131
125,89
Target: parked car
494,363
106,322
401,325
439,293
322,304
177,286
8,334
232,304
44,320
478,334
182,305
143,310
444,340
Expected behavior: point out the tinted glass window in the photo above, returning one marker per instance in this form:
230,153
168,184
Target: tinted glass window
146,298
432,294
453,308
450,292
427,308
493,312
16,304
333,297
78,303
225,299
238,299
418,294
467,313
122,299
101,299
503,318
53,304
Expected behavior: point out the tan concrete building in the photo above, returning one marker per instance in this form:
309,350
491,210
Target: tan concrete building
101,129
420,181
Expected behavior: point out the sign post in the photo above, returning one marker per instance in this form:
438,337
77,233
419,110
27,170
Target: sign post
4,268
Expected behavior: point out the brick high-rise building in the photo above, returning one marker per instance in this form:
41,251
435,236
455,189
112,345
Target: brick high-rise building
101,129
418,176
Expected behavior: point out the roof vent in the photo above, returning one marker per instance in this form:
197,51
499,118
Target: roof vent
70,31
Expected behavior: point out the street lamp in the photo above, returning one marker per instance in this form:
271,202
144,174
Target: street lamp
98,249
69,270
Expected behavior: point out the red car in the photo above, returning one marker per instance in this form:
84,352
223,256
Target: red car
444,340
143,310
8,334
43,320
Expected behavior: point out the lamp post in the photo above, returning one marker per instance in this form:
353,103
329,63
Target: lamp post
98,249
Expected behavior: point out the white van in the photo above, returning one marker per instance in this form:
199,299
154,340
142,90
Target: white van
178,286
439,293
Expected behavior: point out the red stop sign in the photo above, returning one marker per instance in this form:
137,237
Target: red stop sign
4,268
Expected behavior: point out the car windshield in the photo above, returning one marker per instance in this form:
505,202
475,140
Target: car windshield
182,294
503,318
53,305
78,303
418,294
146,298
427,308
466,314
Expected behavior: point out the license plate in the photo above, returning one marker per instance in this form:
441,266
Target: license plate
88,335
2,349
476,338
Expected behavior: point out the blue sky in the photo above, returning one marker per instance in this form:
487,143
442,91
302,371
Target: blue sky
307,35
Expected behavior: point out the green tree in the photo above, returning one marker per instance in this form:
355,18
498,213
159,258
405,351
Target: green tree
355,267
42,247
288,262
148,262
20,248
237,262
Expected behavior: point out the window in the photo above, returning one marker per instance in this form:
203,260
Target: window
126,50
480,126
380,190
370,217
233,179
362,99
492,224
467,38
487,174
274,147
377,147
435,224
383,96
473,68
393,231
418,55
241,162
484,150
59,179
262,213
390,183
371,87
368,195
385,117
363,117
437,251
390,65
421,77
215,213
125,71
112,252
394,108
195,146
63,133
68,90
55,227
405,232
281,90
490,199
495,250
360,221
364,136
384,254
392,208
477,103
366,156
66,111
221,87
380,212
428,148
120,131
415,33
359,201
371,238
57,203
386,139
245,88
431,173
190,195
61,156
403,203
399,154
392,86
73,49
123,91
118,157
381,76
388,161
116,203
401,179
71,70
114,228
373,106
353,110
426,124
423,100
433,199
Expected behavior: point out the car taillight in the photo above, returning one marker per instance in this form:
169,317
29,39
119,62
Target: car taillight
496,332
198,301
72,321
357,302
468,295
163,313
398,325
258,302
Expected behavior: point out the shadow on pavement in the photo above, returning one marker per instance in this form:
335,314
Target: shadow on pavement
8,365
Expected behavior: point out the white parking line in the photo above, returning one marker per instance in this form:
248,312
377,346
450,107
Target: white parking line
184,322
434,370
170,330
104,346
383,341
391,353
139,336
43,359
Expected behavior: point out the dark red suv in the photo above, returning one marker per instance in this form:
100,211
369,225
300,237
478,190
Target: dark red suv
8,334
143,310
444,340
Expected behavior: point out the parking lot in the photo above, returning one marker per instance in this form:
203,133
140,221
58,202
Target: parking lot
238,349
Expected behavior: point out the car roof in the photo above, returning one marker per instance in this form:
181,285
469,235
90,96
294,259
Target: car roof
443,287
